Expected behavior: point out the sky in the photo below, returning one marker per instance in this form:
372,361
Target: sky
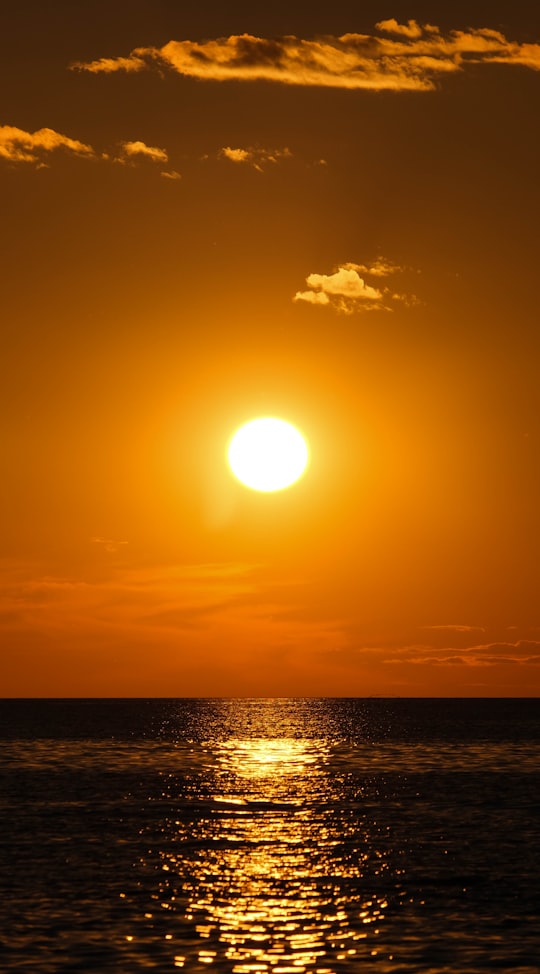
325,213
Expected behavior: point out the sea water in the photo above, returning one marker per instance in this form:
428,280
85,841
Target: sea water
264,836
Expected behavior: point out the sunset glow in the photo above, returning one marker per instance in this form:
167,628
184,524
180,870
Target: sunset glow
223,217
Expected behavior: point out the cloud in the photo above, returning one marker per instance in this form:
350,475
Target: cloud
344,290
34,148
159,629
108,544
235,155
172,174
312,297
346,282
105,65
347,292
139,150
257,158
16,145
137,590
213,628
411,29
399,57
450,667
453,628
522,652
379,268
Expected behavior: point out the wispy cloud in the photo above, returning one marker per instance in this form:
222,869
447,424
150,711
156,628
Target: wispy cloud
522,652
380,267
183,629
124,599
255,157
455,628
398,57
147,625
347,291
121,603
108,64
108,544
16,145
494,659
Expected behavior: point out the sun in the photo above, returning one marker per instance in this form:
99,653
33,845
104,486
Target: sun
268,454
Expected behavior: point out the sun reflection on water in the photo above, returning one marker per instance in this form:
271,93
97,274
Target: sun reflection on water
260,757
267,875
261,836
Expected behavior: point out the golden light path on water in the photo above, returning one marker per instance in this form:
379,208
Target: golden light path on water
260,836
271,884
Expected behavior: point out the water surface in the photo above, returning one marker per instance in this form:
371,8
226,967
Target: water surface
283,836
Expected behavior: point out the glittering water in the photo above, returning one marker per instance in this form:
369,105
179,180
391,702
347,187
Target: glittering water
278,836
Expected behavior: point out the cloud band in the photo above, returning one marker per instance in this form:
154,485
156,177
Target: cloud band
399,57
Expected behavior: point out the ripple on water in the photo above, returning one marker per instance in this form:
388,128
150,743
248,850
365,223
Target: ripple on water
271,843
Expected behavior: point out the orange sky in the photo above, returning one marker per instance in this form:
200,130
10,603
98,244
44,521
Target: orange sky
243,211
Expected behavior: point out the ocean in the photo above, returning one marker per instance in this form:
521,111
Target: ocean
275,836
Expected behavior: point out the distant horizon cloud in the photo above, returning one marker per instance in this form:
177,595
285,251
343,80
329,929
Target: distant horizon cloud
522,652
346,291
183,615
166,622
455,628
407,57
17,145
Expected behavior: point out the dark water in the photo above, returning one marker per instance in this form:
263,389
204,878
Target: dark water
280,836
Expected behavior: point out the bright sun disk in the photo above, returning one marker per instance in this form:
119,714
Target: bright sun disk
267,454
